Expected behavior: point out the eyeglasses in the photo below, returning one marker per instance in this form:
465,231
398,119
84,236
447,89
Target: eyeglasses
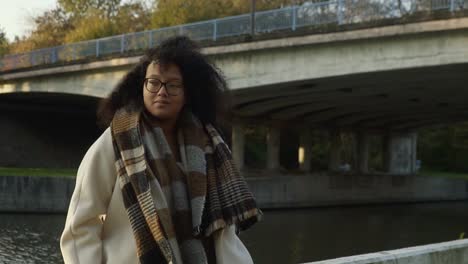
153,85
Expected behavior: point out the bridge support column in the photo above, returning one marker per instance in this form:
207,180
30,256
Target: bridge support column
305,149
335,148
273,148
363,151
238,144
400,153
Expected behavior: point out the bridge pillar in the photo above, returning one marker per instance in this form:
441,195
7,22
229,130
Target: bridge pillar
400,153
238,144
305,149
335,148
363,151
273,148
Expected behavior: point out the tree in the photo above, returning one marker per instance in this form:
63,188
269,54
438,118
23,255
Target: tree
79,20
133,17
94,25
4,45
49,30
81,8
176,12
444,147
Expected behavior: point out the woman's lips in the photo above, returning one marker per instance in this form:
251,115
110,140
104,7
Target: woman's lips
161,102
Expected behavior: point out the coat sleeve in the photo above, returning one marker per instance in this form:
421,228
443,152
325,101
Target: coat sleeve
229,248
81,239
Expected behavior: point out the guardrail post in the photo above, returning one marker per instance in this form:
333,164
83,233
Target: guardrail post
452,5
150,40
252,17
97,48
54,55
122,44
32,58
181,30
293,10
215,29
339,12
74,52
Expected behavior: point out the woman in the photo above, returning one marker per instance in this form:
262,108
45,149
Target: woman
159,185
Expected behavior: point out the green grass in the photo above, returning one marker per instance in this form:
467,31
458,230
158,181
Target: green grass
44,172
40,172
444,174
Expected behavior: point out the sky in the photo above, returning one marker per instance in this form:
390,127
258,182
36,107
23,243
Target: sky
15,15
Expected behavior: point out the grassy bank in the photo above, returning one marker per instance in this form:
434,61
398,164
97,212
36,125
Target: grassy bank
40,172
444,174
45,172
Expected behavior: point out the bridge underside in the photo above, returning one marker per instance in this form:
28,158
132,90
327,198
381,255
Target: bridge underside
46,130
392,104
387,81
397,100
389,104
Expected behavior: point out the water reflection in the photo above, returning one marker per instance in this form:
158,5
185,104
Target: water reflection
285,236
29,238
295,236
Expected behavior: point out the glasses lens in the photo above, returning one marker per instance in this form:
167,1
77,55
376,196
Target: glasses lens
173,88
153,85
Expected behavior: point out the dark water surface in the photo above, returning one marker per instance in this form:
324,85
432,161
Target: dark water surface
284,236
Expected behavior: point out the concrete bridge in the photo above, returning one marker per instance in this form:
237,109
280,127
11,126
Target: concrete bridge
387,81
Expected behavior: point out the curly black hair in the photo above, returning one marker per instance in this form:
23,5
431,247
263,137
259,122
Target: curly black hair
207,94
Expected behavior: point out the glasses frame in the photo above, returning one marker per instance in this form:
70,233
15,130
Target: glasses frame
168,91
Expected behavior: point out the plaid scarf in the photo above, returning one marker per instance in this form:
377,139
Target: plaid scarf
174,211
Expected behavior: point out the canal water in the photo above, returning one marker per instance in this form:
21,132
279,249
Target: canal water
284,236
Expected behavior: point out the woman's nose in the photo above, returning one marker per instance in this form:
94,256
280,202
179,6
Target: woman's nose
163,90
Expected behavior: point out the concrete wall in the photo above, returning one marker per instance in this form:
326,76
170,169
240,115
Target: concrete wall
43,194
322,189
35,194
452,252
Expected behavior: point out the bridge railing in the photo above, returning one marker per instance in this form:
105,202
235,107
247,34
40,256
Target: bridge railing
338,12
455,251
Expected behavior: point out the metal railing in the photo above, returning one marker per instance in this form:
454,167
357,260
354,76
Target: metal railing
338,12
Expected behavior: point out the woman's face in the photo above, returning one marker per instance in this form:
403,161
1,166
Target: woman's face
163,91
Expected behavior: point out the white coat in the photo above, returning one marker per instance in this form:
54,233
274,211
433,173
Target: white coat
97,228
